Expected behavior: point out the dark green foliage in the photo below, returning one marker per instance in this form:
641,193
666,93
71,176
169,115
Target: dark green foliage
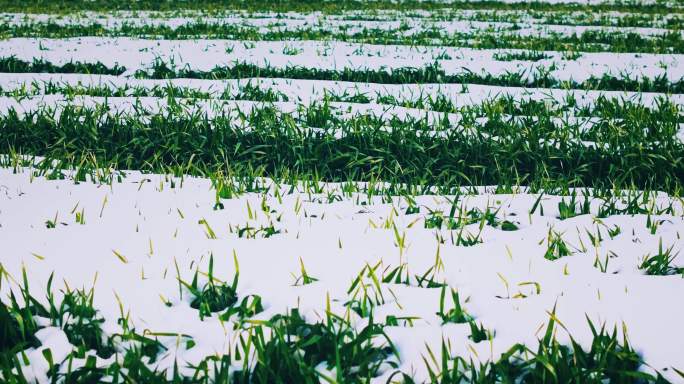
13,65
214,296
355,149
662,262
41,6
587,41
609,359
432,73
522,55
556,246
335,343
10,334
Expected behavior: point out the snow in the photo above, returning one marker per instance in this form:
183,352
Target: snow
135,238
339,24
154,225
307,91
137,54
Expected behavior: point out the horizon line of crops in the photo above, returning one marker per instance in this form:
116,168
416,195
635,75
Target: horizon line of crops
432,73
502,152
521,16
556,18
524,17
587,41
64,6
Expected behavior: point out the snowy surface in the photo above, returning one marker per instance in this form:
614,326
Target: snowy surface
342,25
505,282
132,240
137,54
307,91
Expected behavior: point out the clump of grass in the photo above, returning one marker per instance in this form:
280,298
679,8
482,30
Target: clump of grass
304,278
366,291
609,359
661,263
13,65
570,209
81,322
432,73
455,315
249,232
213,296
20,326
291,51
254,92
17,333
571,55
556,246
458,315
521,55
355,356
217,297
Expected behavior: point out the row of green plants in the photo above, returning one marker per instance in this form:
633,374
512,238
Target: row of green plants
316,143
11,64
433,73
587,41
540,77
249,91
65,6
663,112
286,348
526,17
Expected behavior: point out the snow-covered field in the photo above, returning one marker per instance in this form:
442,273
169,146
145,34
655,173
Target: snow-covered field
298,201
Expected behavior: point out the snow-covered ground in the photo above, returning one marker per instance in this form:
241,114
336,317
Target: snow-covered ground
145,242
140,235
135,54
307,91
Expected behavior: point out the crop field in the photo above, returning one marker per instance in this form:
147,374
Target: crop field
350,191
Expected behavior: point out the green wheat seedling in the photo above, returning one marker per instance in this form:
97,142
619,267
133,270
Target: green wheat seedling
304,278
224,188
570,209
355,356
52,223
661,263
609,358
216,296
249,232
208,230
459,315
556,246
430,279
366,291
81,323
455,315
396,275
523,55
602,265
